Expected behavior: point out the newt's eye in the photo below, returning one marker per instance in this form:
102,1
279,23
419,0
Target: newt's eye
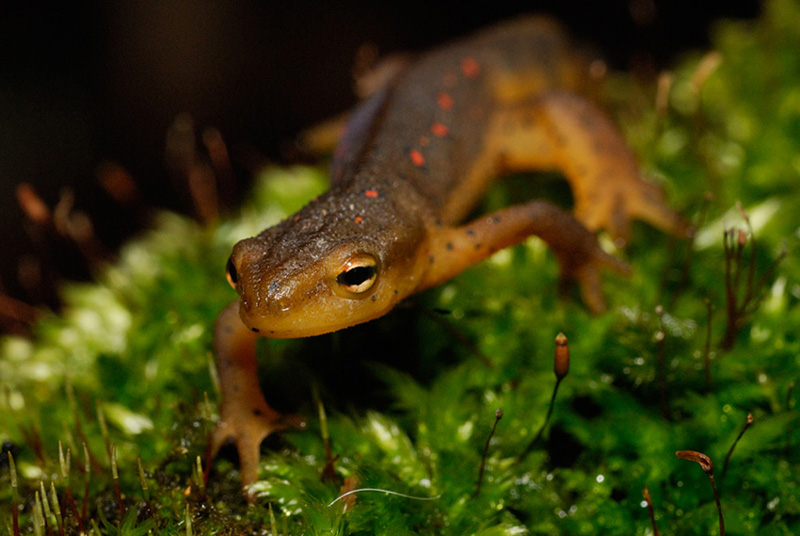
358,274
230,271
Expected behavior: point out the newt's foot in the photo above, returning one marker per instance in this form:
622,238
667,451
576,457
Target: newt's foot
248,429
583,266
615,203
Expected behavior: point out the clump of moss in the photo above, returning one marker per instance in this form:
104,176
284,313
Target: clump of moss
410,400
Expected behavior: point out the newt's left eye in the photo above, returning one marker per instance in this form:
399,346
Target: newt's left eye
358,274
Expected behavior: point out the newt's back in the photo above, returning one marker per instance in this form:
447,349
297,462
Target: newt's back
432,126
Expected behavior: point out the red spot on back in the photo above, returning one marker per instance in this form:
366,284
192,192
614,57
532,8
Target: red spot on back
470,67
371,193
440,130
445,101
359,219
417,157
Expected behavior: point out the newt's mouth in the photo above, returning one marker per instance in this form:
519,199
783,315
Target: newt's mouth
294,329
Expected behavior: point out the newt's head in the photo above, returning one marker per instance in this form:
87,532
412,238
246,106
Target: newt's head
327,268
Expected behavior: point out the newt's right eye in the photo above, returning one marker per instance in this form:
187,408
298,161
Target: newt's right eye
230,271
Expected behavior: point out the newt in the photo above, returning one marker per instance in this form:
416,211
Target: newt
414,160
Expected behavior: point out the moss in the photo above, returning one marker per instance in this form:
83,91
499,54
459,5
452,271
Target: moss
411,398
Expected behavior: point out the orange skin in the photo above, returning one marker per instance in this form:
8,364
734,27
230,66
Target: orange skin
415,159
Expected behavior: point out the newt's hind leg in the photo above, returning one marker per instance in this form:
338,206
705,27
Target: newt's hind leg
568,133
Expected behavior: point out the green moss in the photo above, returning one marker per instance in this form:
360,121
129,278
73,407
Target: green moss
411,398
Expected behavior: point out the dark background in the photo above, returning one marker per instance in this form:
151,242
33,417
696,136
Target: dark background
103,80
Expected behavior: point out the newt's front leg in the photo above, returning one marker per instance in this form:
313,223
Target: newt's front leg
245,416
453,249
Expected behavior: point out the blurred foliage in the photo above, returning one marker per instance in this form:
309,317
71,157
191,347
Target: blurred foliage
411,398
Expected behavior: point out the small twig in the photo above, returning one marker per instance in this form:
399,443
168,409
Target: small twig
789,407
34,440
17,310
101,422
65,465
115,477
708,467
497,416
87,467
682,281
203,188
651,511
730,297
145,488
739,307
707,348
661,339
748,421
120,185
329,471
221,162
91,461
12,471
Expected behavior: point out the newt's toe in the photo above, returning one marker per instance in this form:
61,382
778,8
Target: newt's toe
247,431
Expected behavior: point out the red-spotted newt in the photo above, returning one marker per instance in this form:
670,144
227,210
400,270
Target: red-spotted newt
414,160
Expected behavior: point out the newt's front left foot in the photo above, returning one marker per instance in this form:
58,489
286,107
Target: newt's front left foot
582,263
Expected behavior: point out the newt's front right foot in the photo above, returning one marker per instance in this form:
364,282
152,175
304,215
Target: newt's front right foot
247,429
245,416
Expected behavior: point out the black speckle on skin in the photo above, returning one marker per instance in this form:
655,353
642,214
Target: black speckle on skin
431,259
449,246
254,330
470,232
373,297
396,292
257,412
496,219
478,245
